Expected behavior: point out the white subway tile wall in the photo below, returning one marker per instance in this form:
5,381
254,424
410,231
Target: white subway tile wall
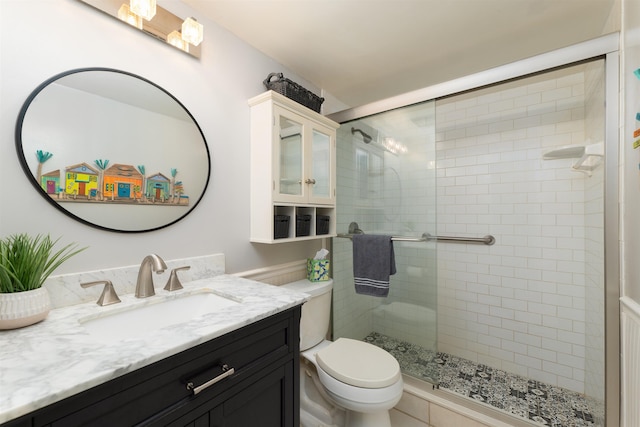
531,304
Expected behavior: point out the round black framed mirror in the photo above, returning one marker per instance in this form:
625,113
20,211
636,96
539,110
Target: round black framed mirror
112,150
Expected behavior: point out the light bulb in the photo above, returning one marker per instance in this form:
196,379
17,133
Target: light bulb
192,31
175,39
143,8
125,14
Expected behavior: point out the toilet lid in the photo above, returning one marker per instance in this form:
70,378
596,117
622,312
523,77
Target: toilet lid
359,364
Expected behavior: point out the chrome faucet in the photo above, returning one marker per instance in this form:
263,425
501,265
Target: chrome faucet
144,285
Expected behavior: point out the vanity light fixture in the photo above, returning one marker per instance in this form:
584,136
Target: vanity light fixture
144,8
192,31
125,14
154,20
175,39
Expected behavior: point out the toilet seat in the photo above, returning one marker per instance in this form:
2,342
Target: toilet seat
359,364
359,398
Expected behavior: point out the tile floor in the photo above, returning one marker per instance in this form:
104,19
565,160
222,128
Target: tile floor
533,400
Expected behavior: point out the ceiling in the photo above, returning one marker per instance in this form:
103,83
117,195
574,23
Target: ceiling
362,51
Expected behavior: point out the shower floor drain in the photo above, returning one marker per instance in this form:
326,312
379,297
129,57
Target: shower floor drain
533,400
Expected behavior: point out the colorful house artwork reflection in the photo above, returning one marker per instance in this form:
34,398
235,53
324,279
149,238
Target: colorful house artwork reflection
81,180
118,184
122,182
50,182
158,187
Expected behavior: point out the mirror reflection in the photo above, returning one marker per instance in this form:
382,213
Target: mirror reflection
161,25
113,150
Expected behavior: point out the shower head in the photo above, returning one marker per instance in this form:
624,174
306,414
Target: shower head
365,136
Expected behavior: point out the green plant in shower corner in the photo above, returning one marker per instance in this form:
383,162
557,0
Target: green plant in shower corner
26,261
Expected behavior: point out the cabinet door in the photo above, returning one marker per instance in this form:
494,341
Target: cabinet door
289,151
320,166
304,160
267,400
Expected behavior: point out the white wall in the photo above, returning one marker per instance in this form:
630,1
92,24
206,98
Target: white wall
67,34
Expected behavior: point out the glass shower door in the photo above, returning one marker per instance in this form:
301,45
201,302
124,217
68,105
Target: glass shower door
387,185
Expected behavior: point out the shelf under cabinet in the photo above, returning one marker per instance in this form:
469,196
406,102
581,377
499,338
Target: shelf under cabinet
293,223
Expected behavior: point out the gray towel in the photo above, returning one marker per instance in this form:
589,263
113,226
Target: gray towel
373,263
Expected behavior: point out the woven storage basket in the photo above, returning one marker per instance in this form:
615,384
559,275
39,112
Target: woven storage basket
294,91
280,226
303,225
322,224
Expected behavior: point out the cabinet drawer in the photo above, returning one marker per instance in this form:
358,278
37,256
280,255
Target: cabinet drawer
266,399
161,388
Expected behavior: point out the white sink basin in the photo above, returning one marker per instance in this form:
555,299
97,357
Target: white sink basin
142,320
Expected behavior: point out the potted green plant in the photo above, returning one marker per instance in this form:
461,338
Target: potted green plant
25,263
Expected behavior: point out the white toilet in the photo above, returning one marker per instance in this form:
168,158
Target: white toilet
346,382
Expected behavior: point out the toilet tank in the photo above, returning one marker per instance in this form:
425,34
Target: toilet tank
314,323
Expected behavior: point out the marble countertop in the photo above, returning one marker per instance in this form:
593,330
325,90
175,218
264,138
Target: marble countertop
57,358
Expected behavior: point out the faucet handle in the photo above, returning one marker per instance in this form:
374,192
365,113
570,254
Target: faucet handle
108,295
173,284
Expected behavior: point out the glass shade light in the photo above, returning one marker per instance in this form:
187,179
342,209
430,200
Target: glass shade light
125,14
159,27
175,39
192,31
143,8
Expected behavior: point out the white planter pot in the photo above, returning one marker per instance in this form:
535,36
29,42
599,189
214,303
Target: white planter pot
20,309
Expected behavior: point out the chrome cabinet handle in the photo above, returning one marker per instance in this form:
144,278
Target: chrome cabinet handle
226,371
310,181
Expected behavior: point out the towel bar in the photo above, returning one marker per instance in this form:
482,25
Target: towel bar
426,237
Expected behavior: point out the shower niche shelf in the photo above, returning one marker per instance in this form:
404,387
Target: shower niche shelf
293,171
589,156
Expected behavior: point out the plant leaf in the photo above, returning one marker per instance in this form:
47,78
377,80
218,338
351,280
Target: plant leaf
27,261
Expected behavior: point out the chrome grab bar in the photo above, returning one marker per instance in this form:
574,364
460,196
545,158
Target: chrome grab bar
426,237
486,240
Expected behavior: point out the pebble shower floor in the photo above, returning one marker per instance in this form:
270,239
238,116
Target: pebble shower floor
533,400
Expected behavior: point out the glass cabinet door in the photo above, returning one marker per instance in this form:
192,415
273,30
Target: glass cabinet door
320,174
304,161
291,158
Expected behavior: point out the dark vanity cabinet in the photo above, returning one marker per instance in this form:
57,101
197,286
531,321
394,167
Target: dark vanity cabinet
262,390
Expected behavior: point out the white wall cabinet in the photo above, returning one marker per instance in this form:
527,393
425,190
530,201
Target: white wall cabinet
293,171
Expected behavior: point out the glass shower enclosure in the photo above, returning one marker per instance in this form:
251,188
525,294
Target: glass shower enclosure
508,324
387,174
